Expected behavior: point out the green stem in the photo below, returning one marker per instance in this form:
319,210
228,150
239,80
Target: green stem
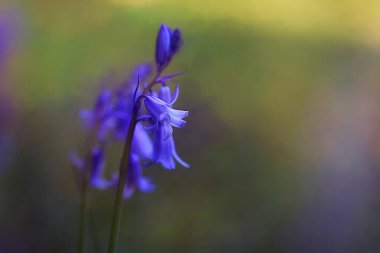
83,215
84,191
120,187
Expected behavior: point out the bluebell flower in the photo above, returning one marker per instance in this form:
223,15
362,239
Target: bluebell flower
134,178
100,117
163,118
164,149
97,165
160,108
168,43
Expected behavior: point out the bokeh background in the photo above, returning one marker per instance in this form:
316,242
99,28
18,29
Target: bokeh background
283,135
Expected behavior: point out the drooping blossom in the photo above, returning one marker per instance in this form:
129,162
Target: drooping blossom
163,118
100,116
96,165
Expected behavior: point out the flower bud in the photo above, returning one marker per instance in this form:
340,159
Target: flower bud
176,41
163,45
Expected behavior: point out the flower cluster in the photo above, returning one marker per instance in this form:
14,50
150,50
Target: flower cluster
111,116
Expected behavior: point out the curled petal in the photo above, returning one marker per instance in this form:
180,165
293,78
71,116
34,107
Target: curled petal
177,158
175,95
176,117
167,130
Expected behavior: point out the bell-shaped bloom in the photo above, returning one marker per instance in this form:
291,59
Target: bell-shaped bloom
97,168
164,117
97,164
100,116
164,149
135,180
160,109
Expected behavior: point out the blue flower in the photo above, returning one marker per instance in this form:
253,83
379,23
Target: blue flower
168,43
97,167
100,117
135,180
164,149
160,109
164,117
97,164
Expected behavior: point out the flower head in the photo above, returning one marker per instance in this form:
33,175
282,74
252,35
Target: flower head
161,111
97,164
135,180
164,149
164,117
127,108
100,117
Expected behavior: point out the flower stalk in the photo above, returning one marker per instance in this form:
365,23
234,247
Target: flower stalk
84,192
123,170
83,214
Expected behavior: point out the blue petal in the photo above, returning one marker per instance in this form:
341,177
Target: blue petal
165,154
97,166
146,185
175,95
142,144
176,156
155,106
164,94
176,117
168,130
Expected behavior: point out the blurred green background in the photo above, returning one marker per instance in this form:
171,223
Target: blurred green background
282,137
